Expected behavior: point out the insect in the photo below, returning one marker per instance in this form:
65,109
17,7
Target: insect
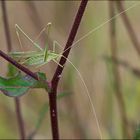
39,57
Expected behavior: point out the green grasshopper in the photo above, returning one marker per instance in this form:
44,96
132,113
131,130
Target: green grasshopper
39,57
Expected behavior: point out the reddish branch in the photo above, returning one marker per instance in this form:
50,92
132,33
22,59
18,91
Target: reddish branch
58,72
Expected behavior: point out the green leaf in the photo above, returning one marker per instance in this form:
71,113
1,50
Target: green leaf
42,82
12,70
19,84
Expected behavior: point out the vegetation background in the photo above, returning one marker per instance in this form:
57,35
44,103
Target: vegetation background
75,118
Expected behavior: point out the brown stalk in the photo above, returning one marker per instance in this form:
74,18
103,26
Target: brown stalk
58,72
117,78
37,22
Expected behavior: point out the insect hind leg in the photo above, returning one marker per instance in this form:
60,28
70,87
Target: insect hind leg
18,36
19,29
57,63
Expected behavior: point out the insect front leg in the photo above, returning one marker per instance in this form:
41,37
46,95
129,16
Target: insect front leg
49,25
45,54
43,30
46,48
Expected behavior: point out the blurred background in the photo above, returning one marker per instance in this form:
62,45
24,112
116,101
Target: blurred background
76,120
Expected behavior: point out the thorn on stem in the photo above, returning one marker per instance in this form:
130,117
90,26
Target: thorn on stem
59,76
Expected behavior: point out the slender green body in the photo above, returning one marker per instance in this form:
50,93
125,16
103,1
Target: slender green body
37,58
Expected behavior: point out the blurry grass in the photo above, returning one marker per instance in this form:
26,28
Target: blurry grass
88,53
8,126
112,116
137,133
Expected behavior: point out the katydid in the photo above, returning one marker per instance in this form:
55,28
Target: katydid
38,58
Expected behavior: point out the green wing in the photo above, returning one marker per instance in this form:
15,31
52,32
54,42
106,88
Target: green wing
27,57
39,60
34,58
25,54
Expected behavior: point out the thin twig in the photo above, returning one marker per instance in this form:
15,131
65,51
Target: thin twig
129,27
117,79
58,72
9,47
19,66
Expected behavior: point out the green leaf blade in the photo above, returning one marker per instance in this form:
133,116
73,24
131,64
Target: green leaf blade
19,84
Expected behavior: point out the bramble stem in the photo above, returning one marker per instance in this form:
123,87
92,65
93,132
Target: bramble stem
58,72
